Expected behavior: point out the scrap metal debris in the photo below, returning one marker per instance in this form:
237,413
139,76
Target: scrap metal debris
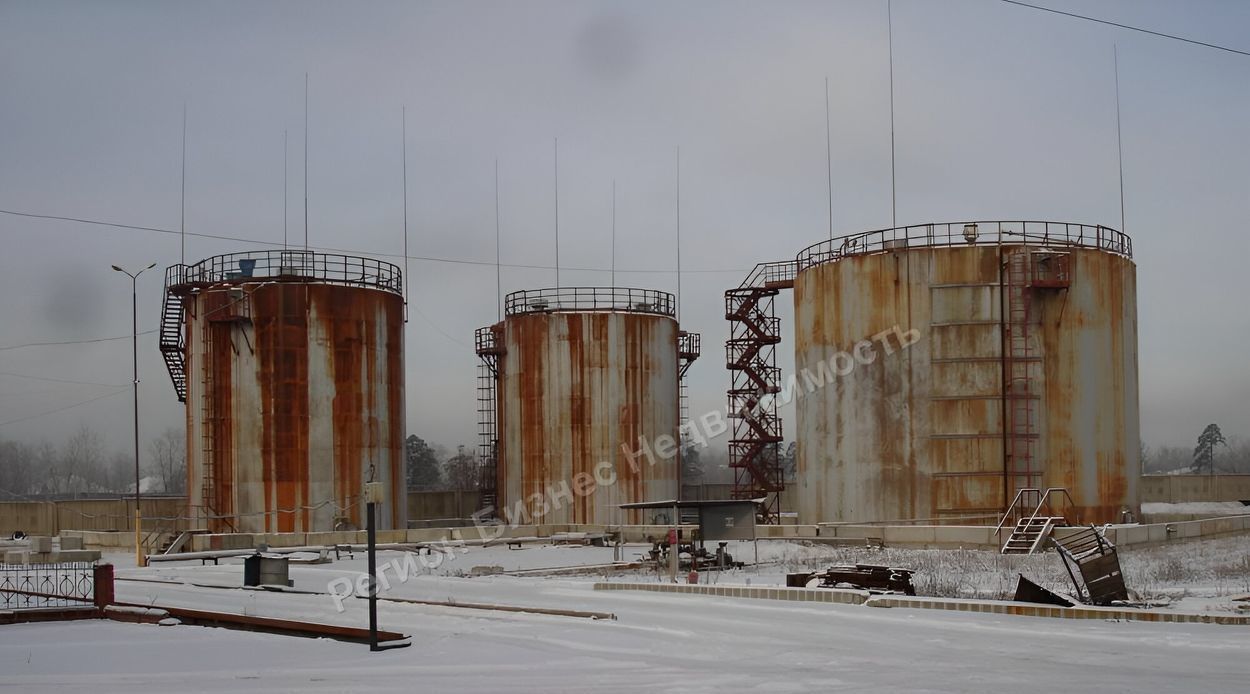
863,576
1098,563
1028,591
1089,554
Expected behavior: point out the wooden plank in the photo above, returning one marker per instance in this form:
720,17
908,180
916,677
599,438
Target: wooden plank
272,625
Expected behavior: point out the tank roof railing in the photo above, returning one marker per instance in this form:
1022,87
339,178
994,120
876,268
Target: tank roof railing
777,271
978,233
286,266
621,299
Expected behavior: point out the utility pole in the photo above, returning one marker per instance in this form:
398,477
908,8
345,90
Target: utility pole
134,322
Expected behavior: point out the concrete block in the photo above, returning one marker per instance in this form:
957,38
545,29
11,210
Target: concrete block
76,555
1190,529
966,536
1220,525
321,538
1128,535
853,532
342,537
430,534
41,544
910,535
391,536
70,543
230,541
769,531
523,531
281,539
15,556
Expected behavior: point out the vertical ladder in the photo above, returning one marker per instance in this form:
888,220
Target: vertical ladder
1028,273
688,350
208,427
489,351
1020,357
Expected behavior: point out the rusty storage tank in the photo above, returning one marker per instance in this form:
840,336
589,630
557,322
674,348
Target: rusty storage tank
962,363
291,367
581,396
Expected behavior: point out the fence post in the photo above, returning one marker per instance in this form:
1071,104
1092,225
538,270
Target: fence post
102,575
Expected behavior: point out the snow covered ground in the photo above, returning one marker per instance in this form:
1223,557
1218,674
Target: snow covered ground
658,642
1212,509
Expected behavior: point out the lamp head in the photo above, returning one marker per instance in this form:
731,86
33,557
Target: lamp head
970,232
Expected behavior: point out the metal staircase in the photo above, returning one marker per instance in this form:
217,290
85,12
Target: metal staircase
171,338
751,357
1031,532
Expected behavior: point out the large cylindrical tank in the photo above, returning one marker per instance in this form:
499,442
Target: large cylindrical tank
588,404
294,390
992,357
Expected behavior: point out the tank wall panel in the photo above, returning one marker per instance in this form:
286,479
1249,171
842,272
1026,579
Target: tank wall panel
919,433
306,394
578,387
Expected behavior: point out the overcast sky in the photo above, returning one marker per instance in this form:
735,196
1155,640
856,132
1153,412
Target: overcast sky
1002,112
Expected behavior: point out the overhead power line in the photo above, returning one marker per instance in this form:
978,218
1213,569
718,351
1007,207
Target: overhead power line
72,342
432,259
119,391
64,380
1174,37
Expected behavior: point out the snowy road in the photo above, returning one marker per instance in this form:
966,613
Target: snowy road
659,643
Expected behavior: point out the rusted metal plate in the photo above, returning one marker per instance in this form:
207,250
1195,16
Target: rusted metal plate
295,391
580,388
919,433
1103,578
1028,591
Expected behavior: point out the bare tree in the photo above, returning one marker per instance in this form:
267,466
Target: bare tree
1167,459
168,460
423,469
117,473
47,467
461,470
17,463
79,464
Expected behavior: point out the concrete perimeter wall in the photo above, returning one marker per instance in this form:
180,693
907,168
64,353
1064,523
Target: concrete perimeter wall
51,517
1179,489
910,536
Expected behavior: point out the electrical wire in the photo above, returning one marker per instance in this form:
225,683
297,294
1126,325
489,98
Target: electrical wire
73,342
119,391
65,380
430,259
1126,26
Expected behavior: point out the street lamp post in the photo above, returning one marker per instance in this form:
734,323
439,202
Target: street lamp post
134,322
